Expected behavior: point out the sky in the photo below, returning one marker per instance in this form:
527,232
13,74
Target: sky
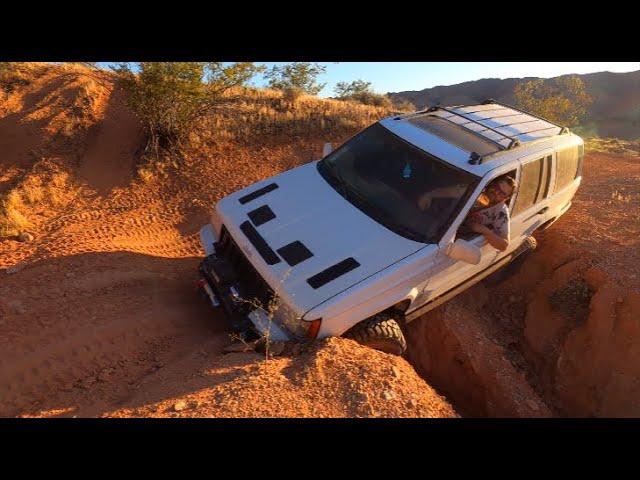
400,76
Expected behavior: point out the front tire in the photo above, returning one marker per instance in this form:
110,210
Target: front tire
381,332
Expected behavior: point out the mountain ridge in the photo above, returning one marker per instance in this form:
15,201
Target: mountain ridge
615,111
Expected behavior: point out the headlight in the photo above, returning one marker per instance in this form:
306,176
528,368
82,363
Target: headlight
303,328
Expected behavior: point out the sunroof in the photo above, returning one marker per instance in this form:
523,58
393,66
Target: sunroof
455,134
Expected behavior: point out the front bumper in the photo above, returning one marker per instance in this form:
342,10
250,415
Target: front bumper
222,285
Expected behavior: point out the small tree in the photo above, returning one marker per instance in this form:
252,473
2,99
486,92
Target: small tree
170,97
360,91
345,90
299,76
563,100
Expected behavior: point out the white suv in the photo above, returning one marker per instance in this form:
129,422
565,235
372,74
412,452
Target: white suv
340,246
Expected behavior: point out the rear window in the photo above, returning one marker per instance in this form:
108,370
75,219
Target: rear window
567,161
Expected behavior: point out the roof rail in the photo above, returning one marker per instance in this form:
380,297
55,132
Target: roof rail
489,101
513,142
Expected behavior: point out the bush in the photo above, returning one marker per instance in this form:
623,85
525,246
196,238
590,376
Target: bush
403,105
360,91
171,97
563,100
298,76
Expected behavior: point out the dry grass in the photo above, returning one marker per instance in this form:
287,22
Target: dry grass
36,193
252,116
12,220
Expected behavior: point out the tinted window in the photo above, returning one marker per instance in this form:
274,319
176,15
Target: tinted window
546,178
387,178
529,185
567,166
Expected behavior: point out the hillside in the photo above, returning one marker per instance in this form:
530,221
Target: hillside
614,113
99,315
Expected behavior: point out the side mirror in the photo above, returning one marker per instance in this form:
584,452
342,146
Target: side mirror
327,149
464,251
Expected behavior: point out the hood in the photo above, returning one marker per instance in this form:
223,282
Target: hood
320,231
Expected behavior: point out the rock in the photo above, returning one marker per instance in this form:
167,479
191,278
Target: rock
395,371
25,237
412,403
388,395
179,406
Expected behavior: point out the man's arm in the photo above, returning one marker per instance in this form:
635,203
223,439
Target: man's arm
495,240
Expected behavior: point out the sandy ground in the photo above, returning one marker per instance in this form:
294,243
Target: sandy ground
99,315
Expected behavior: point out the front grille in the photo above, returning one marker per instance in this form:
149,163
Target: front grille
254,286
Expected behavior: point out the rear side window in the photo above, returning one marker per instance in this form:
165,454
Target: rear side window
567,161
529,188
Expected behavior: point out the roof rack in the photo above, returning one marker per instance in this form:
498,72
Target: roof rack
489,101
513,142
475,158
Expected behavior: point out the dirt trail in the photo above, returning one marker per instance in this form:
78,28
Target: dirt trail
109,158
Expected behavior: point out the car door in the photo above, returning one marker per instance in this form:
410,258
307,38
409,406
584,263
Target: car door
447,273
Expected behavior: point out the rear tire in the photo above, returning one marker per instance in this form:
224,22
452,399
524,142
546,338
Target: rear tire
381,332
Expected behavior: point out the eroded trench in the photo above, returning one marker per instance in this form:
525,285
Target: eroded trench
550,335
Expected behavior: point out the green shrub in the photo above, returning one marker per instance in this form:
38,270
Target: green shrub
171,97
297,76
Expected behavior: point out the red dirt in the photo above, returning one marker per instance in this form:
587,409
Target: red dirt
99,314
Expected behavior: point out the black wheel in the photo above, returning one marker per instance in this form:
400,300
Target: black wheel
381,332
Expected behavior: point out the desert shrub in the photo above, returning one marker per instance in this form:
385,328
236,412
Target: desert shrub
563,100
171,97
403,105
345,90
360,91
301,76
371,98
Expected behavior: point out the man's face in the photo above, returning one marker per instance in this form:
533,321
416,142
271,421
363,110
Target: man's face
499,191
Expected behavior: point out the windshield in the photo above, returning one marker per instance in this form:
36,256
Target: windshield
407,190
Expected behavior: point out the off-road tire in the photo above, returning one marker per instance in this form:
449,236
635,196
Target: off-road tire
380,332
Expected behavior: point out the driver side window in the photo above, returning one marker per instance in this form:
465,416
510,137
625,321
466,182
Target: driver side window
478,210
